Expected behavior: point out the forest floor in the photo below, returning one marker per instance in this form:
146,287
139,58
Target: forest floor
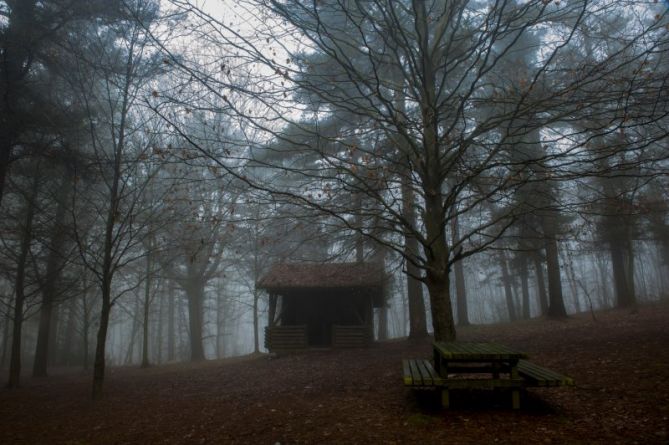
620,364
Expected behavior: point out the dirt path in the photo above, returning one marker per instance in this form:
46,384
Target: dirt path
620,364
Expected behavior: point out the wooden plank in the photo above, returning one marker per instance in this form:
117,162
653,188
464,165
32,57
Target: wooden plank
408,379
415,373
476,351
281,338
425,374
482,383
536,375
436,378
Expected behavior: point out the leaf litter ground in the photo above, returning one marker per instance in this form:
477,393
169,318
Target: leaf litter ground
620,363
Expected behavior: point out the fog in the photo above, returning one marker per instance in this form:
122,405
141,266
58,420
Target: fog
181,180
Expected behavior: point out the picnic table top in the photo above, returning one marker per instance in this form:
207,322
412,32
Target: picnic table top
476,351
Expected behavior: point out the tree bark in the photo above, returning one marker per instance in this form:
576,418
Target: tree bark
65,352
147,307
256,335
100,348
436,247
508,291
556,307
19,285
5,341
129,355
158,334
541,284
86,327
459,273
525,289
195,313
170,325
619,263
49,290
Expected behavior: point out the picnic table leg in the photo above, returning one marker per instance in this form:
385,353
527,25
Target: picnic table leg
515,399
515,392
445,398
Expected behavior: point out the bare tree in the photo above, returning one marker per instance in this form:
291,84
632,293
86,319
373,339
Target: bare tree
109,87
462,108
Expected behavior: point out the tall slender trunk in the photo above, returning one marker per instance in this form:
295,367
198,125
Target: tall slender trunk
170,324
524,285
573,284
459,273
631,282
219,326
436,247
415,299
256,335
5,341
99,363
45,339
181,327
195,313
621,273
19,287
147,306
108,268
556,307
130,353
541,284
604,282
65,352
86,328
508,291
159,325
417,315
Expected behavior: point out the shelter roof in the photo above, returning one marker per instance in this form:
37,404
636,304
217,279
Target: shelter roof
323,276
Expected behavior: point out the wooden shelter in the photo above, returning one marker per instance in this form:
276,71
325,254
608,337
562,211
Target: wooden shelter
322,305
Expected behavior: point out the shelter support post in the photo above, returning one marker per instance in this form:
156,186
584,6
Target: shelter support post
272,310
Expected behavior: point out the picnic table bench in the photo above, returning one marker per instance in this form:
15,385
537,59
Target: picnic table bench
460,365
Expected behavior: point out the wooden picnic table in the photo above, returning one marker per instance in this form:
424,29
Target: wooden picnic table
464,365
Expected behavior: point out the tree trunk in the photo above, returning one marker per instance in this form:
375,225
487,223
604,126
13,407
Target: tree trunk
86,327
65,352
159,326
170,324
442,315
525,289
99,363
624,295
195,313
219,325
256,335
19,287
459,273
556,307
147,307
541,284
49,290
435,247
5,342
417,315
508,291
129,355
